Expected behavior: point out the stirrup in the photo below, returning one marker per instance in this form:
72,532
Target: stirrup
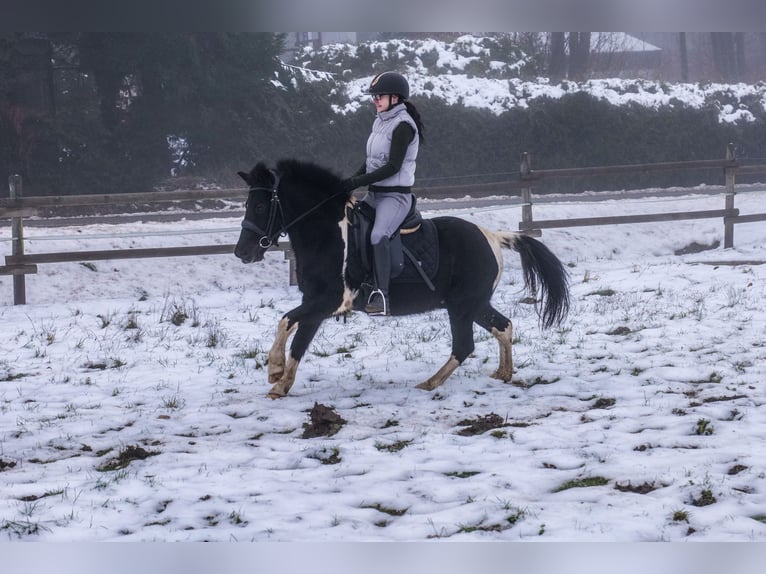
371,309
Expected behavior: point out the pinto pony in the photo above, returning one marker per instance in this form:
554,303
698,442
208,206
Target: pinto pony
307,203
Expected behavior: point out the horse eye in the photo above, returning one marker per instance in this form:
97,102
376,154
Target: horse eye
260,208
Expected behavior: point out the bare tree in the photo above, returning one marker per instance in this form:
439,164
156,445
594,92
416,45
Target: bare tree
579,54
557,68
728,55
684,57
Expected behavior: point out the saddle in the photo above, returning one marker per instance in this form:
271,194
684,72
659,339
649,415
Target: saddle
414,247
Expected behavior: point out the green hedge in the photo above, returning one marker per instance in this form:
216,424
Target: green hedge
577,130
462,144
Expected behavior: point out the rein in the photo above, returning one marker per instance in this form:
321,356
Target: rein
275,206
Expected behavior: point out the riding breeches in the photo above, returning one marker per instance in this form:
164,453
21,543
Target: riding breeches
390,210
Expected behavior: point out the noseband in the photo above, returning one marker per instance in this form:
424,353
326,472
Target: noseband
269,235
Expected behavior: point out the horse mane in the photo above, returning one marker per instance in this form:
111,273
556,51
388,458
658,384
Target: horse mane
310,174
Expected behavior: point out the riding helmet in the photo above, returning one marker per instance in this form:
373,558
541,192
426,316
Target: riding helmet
390,83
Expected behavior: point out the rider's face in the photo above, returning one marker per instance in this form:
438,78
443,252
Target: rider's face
384,101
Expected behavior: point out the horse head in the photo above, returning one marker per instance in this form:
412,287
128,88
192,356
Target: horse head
264,221
293,195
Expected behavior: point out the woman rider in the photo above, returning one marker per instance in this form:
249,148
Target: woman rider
389,173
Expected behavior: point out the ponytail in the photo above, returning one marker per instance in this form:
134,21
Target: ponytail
415,114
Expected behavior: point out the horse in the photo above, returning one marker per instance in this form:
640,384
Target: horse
307,203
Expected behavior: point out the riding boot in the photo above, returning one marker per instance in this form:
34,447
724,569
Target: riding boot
378,302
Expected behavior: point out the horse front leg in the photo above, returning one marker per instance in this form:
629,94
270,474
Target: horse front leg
283,376
277,353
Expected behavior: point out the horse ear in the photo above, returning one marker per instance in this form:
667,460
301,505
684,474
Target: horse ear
260,170
245,176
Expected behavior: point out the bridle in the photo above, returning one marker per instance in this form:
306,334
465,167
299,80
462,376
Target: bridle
270,235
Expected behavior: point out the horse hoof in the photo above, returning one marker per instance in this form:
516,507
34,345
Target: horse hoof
426,386
505,377
275,377
275,395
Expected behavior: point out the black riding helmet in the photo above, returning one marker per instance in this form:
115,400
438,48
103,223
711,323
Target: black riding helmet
389,83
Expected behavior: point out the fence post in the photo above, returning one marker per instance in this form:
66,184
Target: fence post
728,233
17,241
526,192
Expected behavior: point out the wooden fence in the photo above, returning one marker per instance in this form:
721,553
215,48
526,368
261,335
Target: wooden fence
729,213
19,263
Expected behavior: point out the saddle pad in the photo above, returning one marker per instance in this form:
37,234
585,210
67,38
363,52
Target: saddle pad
424,245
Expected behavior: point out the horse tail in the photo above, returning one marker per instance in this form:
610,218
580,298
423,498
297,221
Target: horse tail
541,268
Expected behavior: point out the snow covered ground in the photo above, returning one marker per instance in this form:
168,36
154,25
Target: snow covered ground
133,397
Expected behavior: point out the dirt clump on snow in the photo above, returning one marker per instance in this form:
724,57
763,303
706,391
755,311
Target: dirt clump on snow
324,422
481,424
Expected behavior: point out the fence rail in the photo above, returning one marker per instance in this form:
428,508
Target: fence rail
730,214
17,207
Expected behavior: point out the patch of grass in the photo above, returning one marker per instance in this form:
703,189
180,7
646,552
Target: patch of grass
759,518
604,403
680,516
644,488
125,457
602,293
723,398
111,363
705,498
704,428
235,517
620,331
393,447
480,528
583,483
172,403
328,457
462,474
714,377
22,528
13,377
387,509
736,469
33,497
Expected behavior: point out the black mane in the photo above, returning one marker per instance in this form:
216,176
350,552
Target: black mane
310,174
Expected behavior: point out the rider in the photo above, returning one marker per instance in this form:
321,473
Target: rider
389,171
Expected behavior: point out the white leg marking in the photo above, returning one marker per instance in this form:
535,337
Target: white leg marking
283,385
348,294
504,338
441,375
277,352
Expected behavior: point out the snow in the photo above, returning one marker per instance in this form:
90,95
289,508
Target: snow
655,379
500,89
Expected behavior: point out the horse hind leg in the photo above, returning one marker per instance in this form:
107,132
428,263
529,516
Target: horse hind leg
502,329
462,346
